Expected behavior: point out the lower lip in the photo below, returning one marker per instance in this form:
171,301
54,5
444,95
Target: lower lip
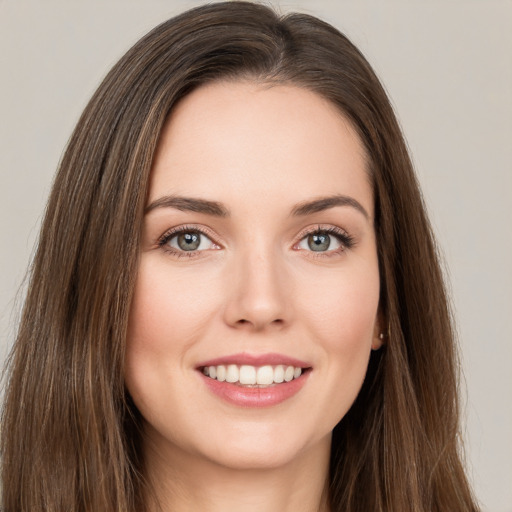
255,397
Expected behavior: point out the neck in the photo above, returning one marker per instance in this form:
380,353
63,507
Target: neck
182,482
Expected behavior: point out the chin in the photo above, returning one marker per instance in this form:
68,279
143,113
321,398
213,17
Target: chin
263,451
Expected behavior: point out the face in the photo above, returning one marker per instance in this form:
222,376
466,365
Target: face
256,302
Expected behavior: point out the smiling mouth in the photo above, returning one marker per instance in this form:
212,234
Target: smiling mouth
254,376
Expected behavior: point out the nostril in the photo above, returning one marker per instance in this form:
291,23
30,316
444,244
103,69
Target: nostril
276,322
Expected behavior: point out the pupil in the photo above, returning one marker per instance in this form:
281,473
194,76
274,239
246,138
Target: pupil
319,242
188,241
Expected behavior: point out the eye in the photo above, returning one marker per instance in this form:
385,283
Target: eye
186,240
332,240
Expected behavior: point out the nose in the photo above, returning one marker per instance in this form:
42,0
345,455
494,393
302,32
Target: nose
259,293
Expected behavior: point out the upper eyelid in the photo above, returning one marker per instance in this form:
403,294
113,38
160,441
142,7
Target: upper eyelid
171,232
319,228
345,238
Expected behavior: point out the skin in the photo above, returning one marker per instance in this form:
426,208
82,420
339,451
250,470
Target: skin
254,286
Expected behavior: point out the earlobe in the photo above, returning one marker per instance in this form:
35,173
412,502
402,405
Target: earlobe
380,336
378,341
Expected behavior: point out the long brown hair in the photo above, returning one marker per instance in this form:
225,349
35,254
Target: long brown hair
70,438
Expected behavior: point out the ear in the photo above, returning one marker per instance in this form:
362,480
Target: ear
379,332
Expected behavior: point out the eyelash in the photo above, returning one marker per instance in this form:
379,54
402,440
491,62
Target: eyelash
171,233
346,241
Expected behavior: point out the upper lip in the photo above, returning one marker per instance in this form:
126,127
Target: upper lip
256,360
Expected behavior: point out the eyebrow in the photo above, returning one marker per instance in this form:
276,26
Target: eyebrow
189,204
217,209
324,203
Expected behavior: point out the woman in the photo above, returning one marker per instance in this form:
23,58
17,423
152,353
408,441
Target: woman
236,300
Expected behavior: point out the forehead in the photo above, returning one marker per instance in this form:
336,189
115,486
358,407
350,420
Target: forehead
240,138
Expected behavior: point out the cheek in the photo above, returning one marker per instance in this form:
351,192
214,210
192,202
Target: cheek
342,310
169,307
169,312
342,320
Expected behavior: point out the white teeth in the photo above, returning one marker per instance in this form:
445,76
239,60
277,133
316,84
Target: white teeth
265,375
232,373
221,373
279,374
248,375
288,373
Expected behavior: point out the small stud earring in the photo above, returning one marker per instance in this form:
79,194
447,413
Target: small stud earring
382,336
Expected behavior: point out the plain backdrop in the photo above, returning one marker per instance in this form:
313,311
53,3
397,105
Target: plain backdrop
447,66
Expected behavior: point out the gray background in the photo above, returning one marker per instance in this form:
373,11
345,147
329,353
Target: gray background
448,68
